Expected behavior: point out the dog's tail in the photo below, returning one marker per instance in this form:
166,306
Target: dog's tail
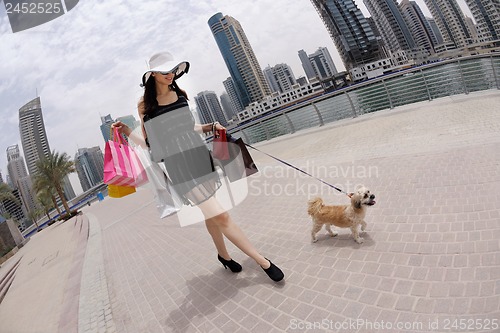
314,206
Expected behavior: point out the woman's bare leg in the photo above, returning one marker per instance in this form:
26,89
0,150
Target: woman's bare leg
217,218
218,238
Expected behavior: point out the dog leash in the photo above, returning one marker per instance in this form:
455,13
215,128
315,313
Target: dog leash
300,170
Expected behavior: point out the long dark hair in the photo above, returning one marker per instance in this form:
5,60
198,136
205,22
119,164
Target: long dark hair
149,99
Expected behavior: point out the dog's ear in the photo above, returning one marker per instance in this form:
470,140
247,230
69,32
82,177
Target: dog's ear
356,201
350,194
362,190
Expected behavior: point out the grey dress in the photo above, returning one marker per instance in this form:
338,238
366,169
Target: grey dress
187,159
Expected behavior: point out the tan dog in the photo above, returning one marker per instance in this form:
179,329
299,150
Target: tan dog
345,216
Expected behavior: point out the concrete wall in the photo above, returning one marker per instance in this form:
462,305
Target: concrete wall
10,236
14,231
7,242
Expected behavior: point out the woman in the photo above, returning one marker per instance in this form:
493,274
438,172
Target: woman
187,160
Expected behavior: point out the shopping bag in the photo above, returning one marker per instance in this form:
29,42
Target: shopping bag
250,167
117,191
140,174
240,163
167,201
119,163
220,148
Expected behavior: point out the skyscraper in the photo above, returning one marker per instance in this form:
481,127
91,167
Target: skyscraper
450,21
15,165
241,62
233,95
33,135
487,16
473,30
19,177
271,80
225,102
34,140
319,66
209,108
280,77
435,30
322,63
349,30
89,164
107,121
419,26
384,52
306,64
69,193
391,24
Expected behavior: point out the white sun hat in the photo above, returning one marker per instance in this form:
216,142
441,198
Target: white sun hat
163,62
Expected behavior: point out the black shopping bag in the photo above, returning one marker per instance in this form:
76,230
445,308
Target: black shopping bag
240,163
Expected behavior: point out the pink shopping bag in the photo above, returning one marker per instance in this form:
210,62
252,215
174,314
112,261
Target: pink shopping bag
119,163
138,169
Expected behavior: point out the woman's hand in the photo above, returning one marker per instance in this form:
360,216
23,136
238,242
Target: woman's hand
218,127
121,127
209,127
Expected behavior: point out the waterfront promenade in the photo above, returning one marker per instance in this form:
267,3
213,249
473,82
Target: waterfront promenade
430,261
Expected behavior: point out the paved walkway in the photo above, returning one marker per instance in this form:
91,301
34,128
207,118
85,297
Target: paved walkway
430,261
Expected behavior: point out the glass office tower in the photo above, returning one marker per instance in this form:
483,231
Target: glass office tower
350,31
33,135
248,78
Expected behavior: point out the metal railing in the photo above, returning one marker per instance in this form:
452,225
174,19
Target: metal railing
427,82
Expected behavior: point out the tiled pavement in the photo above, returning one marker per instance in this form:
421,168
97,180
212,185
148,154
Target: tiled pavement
430,260
44,296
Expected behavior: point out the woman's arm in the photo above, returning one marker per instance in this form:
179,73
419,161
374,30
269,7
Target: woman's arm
210,127
134,136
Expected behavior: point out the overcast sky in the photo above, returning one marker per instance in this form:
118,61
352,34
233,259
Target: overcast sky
88,62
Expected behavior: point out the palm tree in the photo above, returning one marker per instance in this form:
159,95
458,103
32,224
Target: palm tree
46,199
34,214
6,194
45,189
53,169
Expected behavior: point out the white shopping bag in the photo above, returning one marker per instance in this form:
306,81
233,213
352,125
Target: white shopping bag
167,201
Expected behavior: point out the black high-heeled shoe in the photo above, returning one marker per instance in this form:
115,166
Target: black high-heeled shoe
274,272
233,265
